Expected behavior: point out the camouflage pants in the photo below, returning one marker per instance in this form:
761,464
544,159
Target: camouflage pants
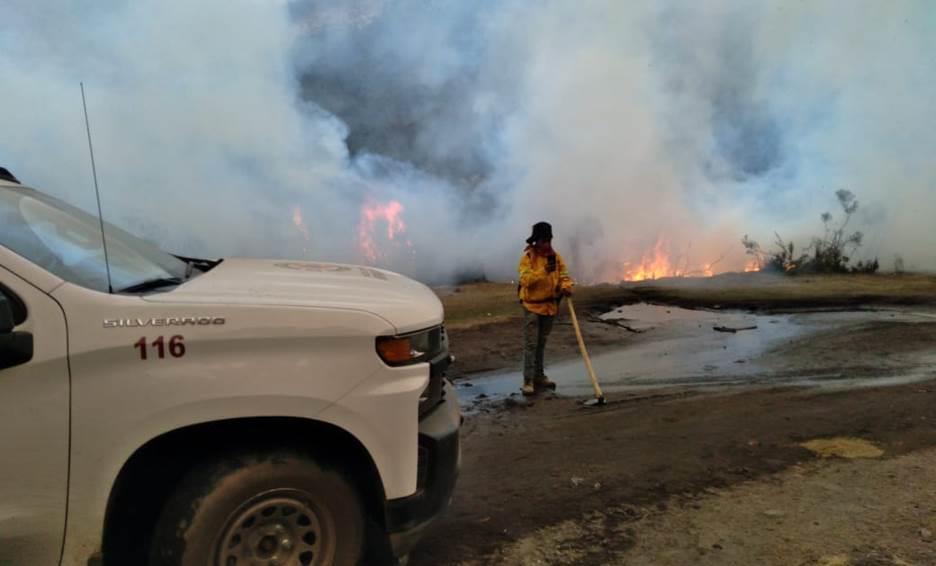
536,329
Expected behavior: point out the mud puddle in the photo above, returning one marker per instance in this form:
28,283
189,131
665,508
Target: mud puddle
675,347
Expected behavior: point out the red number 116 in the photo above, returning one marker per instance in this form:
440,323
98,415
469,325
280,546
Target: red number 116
176,347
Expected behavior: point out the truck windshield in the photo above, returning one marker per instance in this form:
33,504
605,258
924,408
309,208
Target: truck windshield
67,242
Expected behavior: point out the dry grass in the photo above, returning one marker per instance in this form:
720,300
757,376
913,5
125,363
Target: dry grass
480,303
763,291
843,447
470,305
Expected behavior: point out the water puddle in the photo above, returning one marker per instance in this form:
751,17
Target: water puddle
693,348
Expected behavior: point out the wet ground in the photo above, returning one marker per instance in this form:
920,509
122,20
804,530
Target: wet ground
704,454
675,347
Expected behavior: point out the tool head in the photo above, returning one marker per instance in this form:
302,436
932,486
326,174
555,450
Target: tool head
596,402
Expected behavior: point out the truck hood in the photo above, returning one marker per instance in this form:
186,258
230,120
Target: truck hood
404,303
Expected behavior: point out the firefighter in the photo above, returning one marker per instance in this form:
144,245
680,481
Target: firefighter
544,280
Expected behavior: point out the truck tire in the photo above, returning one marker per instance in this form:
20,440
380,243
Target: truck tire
281,509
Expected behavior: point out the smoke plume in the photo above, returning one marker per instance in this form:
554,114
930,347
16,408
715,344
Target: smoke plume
261,127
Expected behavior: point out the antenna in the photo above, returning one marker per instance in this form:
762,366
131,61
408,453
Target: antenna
97,192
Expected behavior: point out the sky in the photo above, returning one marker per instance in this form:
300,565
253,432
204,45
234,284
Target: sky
671,128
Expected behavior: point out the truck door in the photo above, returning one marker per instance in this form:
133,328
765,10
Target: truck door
34,421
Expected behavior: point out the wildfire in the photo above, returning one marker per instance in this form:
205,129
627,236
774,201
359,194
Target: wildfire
657,263
654,265
391,215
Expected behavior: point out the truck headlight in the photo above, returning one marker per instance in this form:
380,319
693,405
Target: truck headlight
410,348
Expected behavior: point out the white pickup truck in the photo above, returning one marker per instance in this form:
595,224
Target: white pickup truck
188,412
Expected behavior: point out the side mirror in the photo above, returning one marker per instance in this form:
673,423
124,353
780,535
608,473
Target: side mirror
16,348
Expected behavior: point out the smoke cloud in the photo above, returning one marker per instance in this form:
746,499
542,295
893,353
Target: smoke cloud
676,127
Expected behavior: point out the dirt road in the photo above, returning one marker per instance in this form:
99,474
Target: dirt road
824,514
681,474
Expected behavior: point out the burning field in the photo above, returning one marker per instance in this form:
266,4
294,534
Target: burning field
428,138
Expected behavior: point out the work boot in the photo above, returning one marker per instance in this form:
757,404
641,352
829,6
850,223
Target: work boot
528,388
544,382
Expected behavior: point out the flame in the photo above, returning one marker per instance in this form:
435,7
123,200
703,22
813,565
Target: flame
299,223
751,266
391,214
653,265
657,263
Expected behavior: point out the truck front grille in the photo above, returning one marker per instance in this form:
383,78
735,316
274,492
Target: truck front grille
435,392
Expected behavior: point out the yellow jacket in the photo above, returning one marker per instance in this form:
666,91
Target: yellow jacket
539,289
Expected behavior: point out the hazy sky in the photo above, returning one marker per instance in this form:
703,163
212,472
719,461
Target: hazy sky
681,125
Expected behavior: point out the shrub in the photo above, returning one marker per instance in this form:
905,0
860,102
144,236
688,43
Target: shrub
830,253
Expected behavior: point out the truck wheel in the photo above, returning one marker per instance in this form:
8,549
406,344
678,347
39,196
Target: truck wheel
280,509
